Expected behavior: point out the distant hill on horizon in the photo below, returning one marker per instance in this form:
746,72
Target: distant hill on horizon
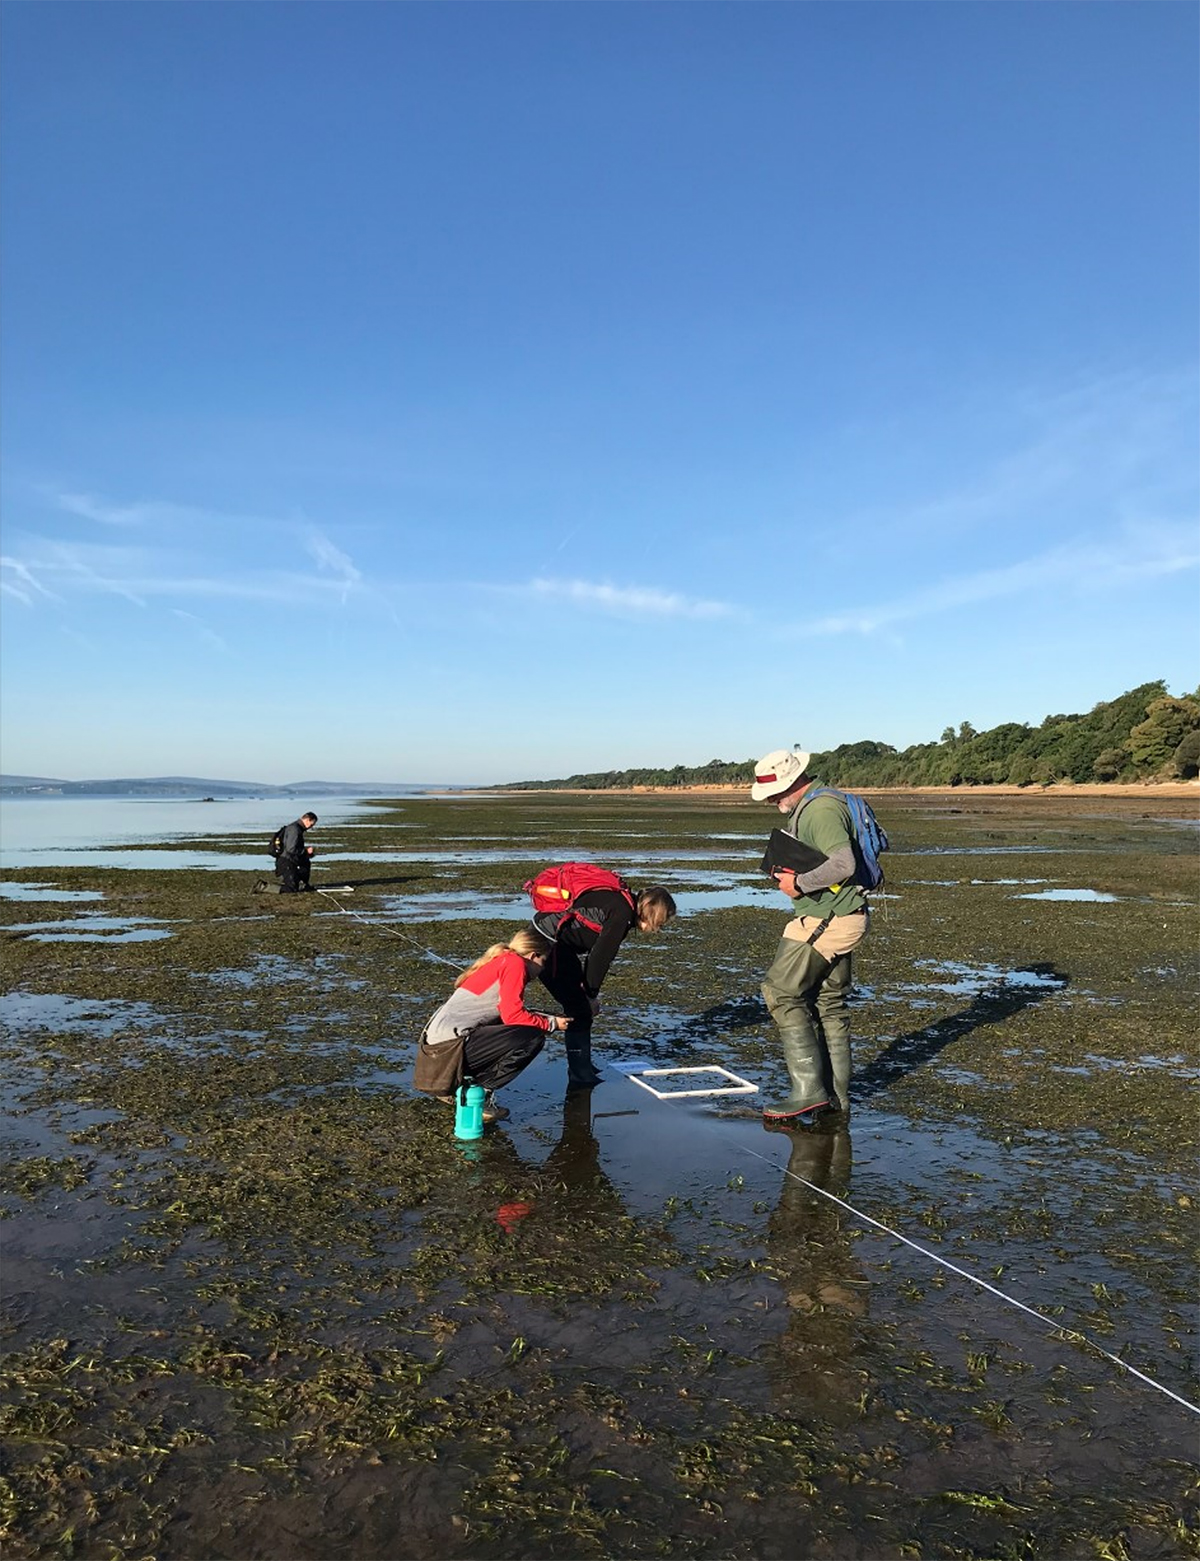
199,787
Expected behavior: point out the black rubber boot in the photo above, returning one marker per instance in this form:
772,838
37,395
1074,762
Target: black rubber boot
581,1074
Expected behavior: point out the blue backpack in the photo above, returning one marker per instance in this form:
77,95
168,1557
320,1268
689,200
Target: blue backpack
870,839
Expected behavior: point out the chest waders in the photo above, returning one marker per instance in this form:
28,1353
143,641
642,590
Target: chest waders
805,994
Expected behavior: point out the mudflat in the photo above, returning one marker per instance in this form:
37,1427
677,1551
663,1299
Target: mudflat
258,1303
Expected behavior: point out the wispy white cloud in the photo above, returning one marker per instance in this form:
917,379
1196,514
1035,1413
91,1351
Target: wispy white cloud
26,586
1077,567
331,558
629,601
143,573
103,513
74,566
148,513
207,634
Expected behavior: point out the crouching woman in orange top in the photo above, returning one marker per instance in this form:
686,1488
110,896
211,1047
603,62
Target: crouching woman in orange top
483,1031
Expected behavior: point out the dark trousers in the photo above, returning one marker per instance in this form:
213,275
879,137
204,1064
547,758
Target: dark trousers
293,873
562,976
495,1053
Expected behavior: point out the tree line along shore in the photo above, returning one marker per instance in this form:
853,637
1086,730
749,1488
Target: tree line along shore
1146,737
1178,788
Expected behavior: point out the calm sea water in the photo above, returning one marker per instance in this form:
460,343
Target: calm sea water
36,831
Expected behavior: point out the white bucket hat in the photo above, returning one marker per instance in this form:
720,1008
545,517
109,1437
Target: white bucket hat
777,772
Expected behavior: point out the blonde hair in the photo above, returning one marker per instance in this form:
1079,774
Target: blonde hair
528,943
655,907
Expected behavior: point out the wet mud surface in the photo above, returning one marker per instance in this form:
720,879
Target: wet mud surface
259,1304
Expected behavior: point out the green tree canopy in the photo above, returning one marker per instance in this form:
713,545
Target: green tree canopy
1141,734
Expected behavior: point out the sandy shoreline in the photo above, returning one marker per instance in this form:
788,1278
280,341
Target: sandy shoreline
1151,789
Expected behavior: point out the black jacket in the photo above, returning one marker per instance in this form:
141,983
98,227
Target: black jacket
291,841
596,949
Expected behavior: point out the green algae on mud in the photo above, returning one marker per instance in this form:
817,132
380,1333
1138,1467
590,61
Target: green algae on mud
255,1290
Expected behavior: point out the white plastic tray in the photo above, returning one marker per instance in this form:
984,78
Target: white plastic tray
639,1075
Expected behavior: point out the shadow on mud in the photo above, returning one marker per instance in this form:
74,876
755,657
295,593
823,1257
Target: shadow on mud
739,1013
906,1053
373,883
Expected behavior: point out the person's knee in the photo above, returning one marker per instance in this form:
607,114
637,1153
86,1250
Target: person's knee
533,1045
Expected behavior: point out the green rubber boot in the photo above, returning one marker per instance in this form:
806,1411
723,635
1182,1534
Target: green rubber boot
802,1054
839,1070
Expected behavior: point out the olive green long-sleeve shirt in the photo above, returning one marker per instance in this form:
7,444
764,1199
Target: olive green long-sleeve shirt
824,823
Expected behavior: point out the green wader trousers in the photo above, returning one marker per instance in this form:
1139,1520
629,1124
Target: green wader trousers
806,996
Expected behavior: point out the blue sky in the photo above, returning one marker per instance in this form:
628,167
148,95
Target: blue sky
473,392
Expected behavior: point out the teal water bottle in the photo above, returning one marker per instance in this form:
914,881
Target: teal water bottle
468,1111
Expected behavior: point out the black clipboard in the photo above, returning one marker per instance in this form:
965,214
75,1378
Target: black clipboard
784,851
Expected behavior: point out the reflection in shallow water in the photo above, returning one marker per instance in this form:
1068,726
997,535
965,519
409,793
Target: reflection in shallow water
824,1282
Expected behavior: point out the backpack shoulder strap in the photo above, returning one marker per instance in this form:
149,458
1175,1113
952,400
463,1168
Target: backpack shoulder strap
818,791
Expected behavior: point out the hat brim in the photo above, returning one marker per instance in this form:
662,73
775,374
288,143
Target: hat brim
761,791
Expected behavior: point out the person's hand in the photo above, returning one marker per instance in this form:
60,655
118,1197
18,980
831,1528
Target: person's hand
594,1005
310,849
786,879
561,1022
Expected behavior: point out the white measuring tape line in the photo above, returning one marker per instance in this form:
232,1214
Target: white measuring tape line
963,1273
1002,1295
391,931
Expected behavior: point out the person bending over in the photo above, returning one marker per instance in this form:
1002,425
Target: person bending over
483,1031
576,969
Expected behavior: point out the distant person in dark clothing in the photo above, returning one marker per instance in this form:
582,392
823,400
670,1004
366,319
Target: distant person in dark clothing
582,954
293,864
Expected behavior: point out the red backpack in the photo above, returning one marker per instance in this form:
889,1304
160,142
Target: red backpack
556,889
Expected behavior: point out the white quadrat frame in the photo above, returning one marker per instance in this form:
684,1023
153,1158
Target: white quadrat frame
736,1085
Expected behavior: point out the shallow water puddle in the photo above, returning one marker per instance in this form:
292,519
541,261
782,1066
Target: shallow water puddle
42,891
22,1011
483,906
324,972
1006,882
1092,896
453,907
94,929
970,980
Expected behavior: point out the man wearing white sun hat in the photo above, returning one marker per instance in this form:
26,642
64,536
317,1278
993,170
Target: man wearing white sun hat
809,980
